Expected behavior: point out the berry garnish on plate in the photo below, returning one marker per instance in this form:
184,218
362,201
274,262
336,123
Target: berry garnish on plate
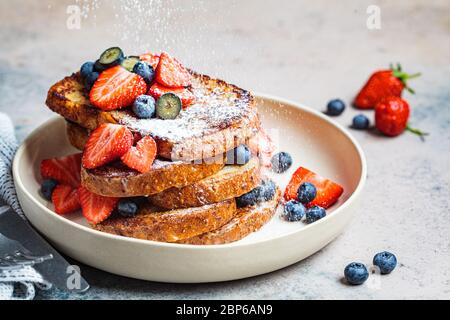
386,261
116,88
360,122
145,70
171,73
65,170
152,59
95,208
90,80
264,192
382,84
335,107
391,117
168,106
306,192
186,96
315,213
47,187
129,62
86,68
356,273
293,211
127,208
281,162
141,156
144,107
105,144
65,199
328,192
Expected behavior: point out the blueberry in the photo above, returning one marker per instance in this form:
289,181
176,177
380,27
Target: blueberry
356,273
90,79
335,107
360,122
127,208
86,68
315,213
281,162
239,155
47,188
306,192
267,190
386,261
144,107
144,70
294,211
249,199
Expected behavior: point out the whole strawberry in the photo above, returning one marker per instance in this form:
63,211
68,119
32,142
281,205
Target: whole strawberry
391,117
382,84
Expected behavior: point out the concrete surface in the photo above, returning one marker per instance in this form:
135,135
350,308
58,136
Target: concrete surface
307,51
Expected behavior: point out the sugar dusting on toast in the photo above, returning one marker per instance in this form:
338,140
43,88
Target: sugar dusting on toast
217,106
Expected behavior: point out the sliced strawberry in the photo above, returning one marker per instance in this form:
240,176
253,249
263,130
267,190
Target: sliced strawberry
65,170
186,96
141,157
152,59
328,192
171,73
116,88
105,144
136,137
95,208
65,199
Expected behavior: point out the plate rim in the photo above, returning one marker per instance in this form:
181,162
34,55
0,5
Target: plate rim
362,180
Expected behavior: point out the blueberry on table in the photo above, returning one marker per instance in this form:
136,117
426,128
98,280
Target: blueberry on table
281,162
144,107
386,261
294,210
90,79
86,68
127,208
360,122
240,155
306,192
315,213
168,106
335,107
356,273
249,198
144,70
47,188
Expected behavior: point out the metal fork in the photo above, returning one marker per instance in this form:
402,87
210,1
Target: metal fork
15,256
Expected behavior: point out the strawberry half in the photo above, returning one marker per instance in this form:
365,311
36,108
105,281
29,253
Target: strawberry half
65,199
152,59
95,208
141,157
116,88
328,192
186,96
65,170
105,144
171,73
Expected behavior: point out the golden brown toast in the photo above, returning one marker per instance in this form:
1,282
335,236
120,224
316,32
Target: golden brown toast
222,117
171,226
117,180
230,182
247,220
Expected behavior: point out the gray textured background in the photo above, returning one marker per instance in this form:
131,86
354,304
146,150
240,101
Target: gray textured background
307,51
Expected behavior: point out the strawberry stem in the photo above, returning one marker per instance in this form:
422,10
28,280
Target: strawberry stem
418,132
403,76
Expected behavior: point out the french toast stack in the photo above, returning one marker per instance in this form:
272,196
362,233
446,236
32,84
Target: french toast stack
195,191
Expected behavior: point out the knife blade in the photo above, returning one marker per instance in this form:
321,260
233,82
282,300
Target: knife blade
56,270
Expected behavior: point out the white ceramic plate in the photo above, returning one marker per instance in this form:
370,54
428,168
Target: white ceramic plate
311,138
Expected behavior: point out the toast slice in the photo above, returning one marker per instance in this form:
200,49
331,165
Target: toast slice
173,225
230,182
222,117
247,220
117,180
